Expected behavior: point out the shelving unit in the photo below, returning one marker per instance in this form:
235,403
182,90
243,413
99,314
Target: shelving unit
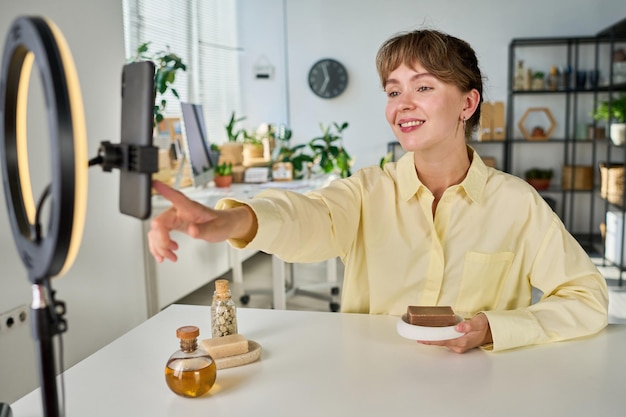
615,37
571,150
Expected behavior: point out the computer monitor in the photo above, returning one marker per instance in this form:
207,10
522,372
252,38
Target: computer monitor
196,145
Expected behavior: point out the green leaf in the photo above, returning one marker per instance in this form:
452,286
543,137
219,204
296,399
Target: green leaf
167,64
143,48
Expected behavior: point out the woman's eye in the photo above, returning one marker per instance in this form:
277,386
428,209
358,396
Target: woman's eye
423,88
392,93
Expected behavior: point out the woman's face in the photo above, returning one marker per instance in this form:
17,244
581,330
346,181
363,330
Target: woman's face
424,112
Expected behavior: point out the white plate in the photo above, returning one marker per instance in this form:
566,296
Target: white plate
424,333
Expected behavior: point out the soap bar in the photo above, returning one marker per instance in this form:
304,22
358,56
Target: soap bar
221,347
431,316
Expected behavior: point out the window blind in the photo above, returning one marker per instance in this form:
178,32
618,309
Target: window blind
204,34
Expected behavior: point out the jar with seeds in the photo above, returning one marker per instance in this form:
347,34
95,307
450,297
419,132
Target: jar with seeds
223,310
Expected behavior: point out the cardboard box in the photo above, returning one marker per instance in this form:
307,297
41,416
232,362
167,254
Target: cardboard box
486,122
577,177
498,129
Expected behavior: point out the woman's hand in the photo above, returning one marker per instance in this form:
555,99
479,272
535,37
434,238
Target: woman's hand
197,221
477,333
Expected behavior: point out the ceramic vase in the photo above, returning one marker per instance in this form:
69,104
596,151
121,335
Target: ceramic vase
618,133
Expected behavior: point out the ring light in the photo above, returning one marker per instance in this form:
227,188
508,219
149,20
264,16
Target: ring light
36,41
33,40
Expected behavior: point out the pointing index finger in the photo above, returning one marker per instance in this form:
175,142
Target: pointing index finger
173,196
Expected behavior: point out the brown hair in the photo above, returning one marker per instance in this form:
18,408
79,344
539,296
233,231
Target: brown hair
450,59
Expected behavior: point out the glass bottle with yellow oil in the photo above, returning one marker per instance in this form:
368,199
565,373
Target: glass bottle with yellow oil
190,371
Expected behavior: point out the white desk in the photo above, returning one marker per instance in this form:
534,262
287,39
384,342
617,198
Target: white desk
209,197
333,364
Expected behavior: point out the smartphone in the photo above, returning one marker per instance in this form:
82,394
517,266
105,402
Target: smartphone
138,95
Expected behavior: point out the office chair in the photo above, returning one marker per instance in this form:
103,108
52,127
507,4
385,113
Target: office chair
310,290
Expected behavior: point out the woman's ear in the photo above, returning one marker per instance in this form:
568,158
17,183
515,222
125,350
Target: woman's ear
472,99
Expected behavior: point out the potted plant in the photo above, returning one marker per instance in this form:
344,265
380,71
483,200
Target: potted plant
253,149
538,81
539,178
232,150
264,139
223,174
298,156
614,112
233,133
167,66
329,152
324,151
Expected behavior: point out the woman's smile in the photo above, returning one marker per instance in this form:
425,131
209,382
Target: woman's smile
409,125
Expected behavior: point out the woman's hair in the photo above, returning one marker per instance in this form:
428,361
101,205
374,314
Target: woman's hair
449,59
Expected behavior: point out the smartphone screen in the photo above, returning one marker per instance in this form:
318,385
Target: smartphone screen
138,96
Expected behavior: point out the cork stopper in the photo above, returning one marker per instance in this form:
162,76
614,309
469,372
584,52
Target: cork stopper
221,286
187,332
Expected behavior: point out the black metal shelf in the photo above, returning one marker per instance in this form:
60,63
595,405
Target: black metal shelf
553,41
552,141
598,89
487,142
574,151
556,189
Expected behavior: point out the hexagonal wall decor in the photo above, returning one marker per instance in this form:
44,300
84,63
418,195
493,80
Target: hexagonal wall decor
537,132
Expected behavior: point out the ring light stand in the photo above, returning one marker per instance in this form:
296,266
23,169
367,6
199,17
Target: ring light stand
46,253
51,253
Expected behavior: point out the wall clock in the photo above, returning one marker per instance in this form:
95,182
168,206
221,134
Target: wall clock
328,78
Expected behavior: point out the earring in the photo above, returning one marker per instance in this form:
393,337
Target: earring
464,123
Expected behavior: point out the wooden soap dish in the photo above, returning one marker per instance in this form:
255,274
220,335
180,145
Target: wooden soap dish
253,353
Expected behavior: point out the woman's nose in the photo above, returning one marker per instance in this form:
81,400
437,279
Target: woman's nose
406,102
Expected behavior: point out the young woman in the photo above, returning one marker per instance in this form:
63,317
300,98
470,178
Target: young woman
438,227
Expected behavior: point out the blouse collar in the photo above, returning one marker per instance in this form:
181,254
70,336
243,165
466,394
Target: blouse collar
473,184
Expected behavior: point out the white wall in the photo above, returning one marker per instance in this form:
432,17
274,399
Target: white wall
352,30
262,35
104,290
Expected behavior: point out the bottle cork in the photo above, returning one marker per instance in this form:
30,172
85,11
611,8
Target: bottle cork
221,286
187,332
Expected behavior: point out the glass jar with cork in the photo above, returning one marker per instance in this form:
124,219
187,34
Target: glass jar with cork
223,310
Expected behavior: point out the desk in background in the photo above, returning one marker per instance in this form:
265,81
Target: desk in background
201,262
335,364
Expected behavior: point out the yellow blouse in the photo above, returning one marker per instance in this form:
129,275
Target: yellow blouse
491,240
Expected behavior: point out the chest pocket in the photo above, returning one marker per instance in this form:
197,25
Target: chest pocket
484,275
